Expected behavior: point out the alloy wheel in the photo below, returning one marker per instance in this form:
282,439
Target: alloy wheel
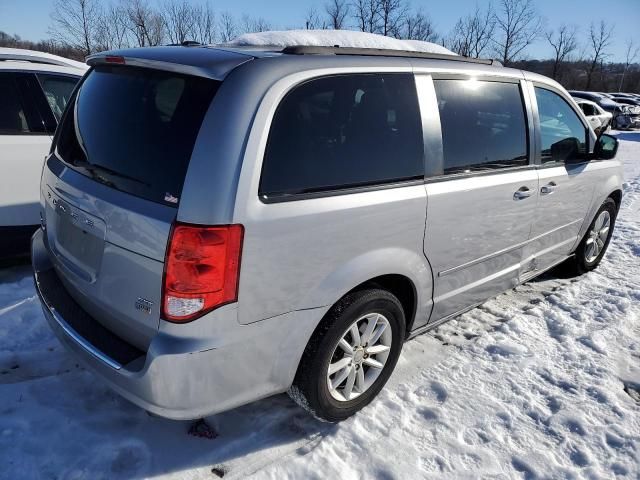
597,236
359,357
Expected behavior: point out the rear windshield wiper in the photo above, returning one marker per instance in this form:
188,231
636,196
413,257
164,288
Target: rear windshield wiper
94,169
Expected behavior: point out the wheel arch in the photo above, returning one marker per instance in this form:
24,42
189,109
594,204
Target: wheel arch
616,195
401,287
404,273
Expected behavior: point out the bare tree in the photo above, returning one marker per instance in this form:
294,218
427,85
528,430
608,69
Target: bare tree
204,24
145,24
392,15
472,35
111,32
563,41
179,19
249,24
367,15
600,37
518,25
337,12
418,26
630,58
228,27
312,20
76,23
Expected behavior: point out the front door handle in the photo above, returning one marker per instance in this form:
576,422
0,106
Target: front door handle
548,188
522,193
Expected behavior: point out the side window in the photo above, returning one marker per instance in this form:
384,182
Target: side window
587,109
57,90
483,125
564,136
344,131
13,114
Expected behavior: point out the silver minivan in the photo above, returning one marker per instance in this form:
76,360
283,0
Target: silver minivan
220,225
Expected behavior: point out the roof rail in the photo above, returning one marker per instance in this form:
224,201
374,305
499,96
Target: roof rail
382,52
185,43
32,56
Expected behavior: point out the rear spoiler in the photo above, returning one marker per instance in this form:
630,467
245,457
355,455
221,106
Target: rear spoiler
204,62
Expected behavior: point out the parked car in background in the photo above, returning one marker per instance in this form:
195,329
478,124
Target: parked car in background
623,116
34,90
632,101
623,94
221,225
606,103
599,119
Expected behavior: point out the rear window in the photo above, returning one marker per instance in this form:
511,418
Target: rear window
134,129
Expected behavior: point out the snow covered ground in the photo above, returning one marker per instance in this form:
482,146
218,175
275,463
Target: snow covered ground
541,382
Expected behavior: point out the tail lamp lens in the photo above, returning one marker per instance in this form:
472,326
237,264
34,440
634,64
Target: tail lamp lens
201,270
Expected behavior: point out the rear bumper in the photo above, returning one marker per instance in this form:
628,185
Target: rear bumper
180,377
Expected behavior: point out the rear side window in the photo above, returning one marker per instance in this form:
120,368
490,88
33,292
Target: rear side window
18,116
134,129
344,131
588,109
483,125
57,90
564,136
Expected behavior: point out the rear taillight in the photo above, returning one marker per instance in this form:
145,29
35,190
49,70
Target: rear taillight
201,270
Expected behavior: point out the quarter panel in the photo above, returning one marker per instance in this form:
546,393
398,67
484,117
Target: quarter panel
308,253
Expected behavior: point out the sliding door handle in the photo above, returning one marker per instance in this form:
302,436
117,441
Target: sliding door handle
522,193
548,188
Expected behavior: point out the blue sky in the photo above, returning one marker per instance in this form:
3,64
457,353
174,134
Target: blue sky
30,18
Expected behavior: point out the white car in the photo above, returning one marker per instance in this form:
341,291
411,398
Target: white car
34,89
598,118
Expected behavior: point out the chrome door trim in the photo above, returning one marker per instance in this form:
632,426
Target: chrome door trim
568,241
469,286
532,142
436,323
505,250
536,140
431,129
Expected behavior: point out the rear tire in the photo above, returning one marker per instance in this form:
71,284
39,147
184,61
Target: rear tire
593,246
342,368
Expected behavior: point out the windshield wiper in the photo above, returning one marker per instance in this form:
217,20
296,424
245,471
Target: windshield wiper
94,169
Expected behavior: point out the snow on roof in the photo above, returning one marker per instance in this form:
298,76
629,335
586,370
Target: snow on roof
330,38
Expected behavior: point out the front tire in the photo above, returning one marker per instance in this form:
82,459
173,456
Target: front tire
593,246
351,355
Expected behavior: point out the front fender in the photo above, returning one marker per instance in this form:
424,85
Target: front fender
608,180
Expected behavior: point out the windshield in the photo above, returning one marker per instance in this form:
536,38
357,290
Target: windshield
134,129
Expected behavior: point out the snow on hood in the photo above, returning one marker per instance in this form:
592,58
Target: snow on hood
330,38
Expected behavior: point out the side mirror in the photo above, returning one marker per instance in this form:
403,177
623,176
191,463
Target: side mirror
566,150
606,147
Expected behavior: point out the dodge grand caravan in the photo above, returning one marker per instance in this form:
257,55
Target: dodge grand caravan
221,225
